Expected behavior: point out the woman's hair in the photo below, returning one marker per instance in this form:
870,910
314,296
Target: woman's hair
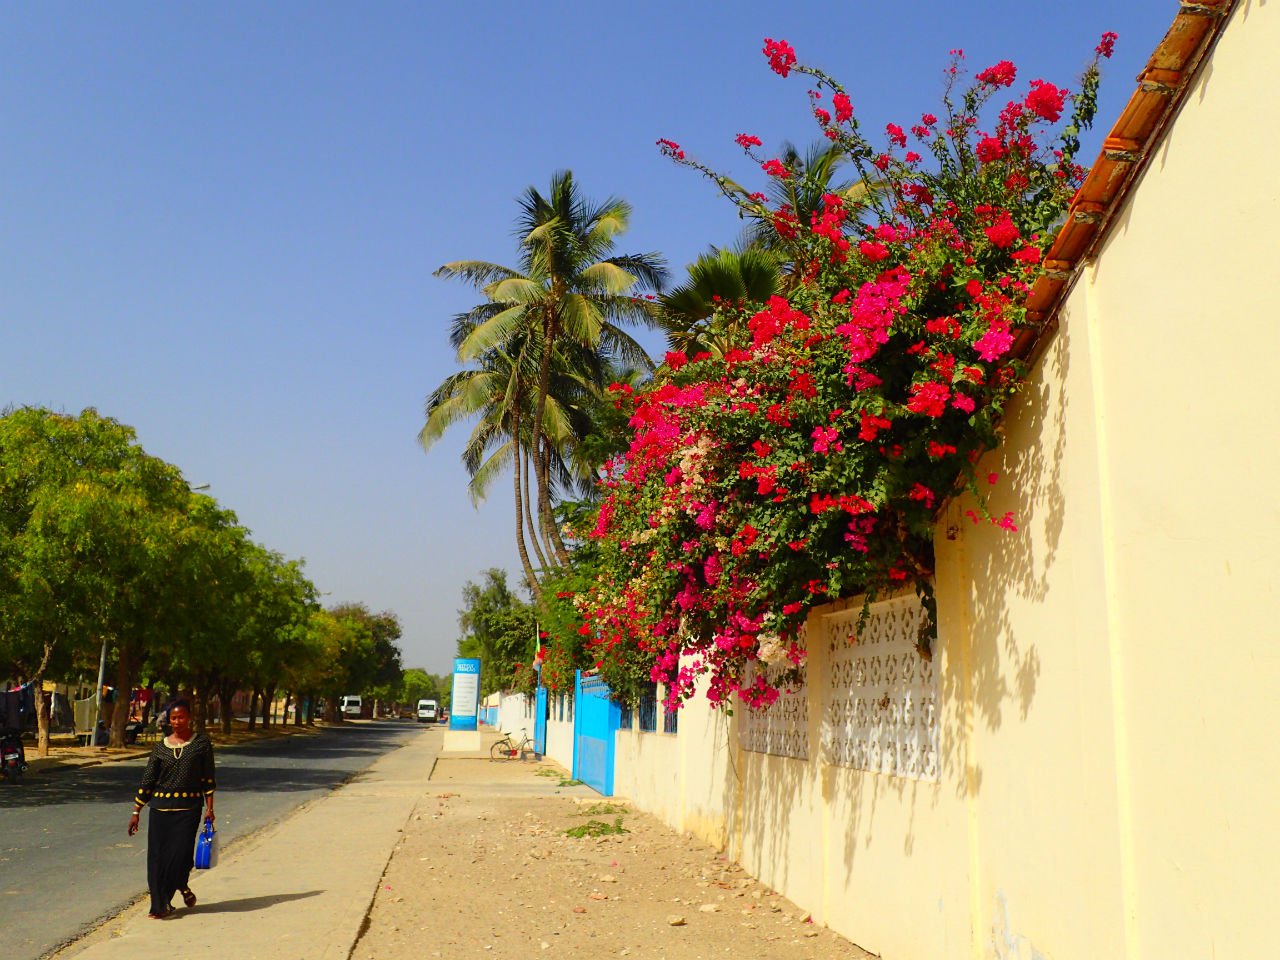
182,702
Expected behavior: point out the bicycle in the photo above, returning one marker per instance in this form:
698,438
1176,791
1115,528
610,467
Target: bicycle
507,747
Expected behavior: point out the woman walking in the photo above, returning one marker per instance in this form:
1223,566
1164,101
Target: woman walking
177,782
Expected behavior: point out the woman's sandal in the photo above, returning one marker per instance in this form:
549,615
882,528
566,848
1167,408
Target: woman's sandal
188,897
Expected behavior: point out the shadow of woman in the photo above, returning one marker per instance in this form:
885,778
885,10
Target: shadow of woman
248,904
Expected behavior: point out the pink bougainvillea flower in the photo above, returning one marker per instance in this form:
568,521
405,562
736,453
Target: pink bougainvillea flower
1006,522
671,149
873,250
1003,232
922,493
746,140
929,398
989,149
993,344
776,168
1107,45
782,56
843,107
1045,100
824,440
999,75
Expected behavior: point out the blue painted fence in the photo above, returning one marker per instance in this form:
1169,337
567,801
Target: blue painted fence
595,723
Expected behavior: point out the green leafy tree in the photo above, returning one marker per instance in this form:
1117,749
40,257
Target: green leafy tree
385,670
94,542
498,627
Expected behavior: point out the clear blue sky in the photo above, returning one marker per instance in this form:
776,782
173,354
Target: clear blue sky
218,221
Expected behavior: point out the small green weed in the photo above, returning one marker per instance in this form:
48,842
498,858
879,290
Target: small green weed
601,809
596,828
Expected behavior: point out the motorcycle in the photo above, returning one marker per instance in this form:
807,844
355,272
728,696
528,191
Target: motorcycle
13,756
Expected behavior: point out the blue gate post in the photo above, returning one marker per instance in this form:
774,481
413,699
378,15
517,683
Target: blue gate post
540,722
577,721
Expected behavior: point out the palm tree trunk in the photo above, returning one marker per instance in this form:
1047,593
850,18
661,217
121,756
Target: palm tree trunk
528,512
539,438
548,519
534,585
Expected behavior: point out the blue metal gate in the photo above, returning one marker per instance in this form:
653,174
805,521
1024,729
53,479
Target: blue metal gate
540,723
595,722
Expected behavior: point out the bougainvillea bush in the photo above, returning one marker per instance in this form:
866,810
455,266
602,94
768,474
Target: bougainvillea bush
809,462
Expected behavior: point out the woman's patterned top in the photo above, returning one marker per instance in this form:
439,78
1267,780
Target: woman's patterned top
178,778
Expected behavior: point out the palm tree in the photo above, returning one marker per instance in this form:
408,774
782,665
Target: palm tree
568,288
722,275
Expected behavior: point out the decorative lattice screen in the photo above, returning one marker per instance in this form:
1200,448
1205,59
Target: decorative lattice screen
881,714
781,729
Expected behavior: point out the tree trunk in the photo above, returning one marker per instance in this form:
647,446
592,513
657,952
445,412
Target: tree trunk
253,708
43,701
268,706
544,506
202,708
331,712
124,686
522,465
226,693
42,706
539,440
532,577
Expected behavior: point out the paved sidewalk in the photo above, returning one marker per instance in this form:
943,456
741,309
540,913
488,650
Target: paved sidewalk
299,890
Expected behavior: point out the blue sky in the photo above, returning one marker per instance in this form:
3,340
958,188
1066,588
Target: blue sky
219,221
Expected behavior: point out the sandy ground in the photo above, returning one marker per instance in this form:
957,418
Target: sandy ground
485,869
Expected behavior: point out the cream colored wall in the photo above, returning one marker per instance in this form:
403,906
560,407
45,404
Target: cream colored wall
1183,306
560,735
686,778
1108,674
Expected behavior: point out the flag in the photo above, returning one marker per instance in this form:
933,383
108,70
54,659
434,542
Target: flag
537,647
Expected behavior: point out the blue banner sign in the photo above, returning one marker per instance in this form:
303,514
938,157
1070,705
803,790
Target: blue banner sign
465,701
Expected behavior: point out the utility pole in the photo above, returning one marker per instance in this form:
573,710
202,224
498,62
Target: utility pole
102,678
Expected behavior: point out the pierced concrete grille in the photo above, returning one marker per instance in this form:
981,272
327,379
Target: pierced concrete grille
782,729
882,711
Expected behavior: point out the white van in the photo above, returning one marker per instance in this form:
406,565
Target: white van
351,706
427,711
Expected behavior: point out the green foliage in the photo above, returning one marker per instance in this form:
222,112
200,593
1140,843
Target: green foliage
596,828
498,628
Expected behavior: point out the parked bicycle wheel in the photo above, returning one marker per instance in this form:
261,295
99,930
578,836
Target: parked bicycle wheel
502,750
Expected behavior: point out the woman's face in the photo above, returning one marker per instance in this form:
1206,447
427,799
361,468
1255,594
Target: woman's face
180,720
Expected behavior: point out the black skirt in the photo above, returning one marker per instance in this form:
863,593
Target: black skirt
171,851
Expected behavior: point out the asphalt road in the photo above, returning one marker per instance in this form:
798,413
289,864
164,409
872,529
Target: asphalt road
67,862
